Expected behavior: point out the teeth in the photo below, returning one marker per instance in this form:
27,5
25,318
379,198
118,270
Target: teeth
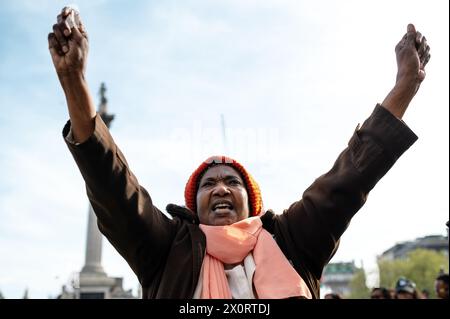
220,206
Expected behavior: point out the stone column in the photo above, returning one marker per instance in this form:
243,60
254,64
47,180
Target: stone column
93,260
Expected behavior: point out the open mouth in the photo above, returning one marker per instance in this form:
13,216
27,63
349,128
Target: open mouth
222,206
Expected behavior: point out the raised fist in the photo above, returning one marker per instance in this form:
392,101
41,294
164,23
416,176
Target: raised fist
68,44
413,54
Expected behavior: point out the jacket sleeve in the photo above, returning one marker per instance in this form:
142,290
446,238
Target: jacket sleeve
125,212
316,222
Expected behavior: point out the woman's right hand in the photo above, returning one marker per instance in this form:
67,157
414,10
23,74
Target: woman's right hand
68,45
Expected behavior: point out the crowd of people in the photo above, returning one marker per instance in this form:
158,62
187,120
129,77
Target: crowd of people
405,289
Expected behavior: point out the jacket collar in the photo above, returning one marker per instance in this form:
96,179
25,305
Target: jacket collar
183,212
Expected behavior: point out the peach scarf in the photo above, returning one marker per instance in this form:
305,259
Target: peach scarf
274,277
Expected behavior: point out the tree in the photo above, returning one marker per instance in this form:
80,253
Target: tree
421,266
358,287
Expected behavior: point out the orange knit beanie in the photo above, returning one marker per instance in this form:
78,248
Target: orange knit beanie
254,193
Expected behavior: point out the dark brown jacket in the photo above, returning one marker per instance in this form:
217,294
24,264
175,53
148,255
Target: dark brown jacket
166,254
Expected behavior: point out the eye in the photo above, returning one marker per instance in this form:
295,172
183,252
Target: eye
235,182
207,184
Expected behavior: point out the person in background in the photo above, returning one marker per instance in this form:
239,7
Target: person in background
380,293
392,292
333,296
441,286
405,289
425,294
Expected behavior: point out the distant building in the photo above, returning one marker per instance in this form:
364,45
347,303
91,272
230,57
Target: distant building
92,282
437,243
336,277
96,287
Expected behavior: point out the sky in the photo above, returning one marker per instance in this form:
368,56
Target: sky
290,79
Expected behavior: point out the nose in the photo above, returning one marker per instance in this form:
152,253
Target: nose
221,189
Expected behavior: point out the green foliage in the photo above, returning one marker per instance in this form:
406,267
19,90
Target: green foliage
358,287
421,266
